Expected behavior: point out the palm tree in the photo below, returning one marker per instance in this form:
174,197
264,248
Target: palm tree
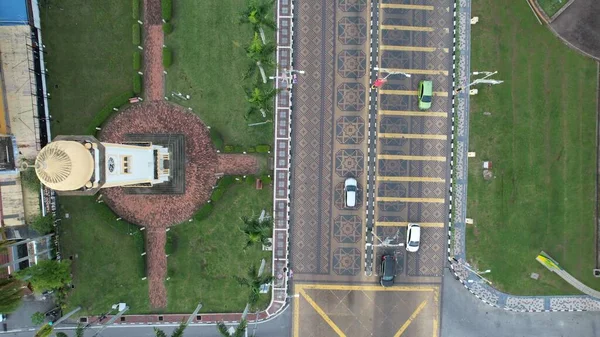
261,56
177,333
239,330
261,100
258,13
258,230
254,281
11,292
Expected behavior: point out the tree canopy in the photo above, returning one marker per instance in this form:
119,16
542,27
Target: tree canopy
47,275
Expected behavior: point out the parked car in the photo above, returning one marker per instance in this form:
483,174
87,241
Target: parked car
413,237
425,94
388,270
350,190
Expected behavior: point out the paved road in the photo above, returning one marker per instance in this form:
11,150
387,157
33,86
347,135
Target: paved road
466,316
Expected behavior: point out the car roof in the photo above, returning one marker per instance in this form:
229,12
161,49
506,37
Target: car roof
427,86
415,232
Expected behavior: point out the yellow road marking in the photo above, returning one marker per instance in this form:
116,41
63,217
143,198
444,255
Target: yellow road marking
322,313
364,287
410,92
413,113
403,6
411,28
296,317
419,71
412,136
404,224
423,200
421,179
410,319
402,157
408,48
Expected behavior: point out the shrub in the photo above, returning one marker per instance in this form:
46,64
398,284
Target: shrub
228,149
136,9
167,57
204,212
238,149
226,181
167,28
171,244
45,331
263,148
266,179
61,334
38,318
107,110
137,34
137,60
30,179
216,138
251,149
167,9
137,83
217,194
250,180
43,224
47,275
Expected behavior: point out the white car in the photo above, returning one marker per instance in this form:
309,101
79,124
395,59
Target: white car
350,189
413,237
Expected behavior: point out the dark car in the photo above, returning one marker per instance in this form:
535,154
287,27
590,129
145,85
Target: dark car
388,270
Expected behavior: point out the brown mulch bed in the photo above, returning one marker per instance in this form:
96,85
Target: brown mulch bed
237,164
152,12
156,258
162,211
153,67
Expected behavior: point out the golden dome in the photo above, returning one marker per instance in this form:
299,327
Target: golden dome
64,165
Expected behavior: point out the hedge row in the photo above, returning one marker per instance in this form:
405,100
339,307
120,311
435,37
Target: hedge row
137,60
251,149
107,110
167,9
137,83
136,9
137,34
167,57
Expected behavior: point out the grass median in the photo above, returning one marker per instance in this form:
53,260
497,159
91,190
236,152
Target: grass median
538,128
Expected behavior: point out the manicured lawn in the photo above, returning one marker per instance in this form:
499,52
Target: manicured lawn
552,6
107,265
208,64
208,253
540,137
89,57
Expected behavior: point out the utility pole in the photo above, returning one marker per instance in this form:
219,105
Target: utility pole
480,80
122,307
191,318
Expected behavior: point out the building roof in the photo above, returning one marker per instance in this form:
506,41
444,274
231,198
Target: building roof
13,12
64,165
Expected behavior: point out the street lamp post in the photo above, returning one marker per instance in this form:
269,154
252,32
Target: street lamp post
380,81
480,80
288,77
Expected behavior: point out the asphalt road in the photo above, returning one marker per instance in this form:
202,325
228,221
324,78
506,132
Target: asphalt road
466,316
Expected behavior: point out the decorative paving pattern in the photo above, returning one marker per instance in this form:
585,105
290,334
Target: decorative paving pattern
339,196
404,146
429,260
349,163
350,130
347,229
346,261
414,124
352,64
351,97
352,31
352,5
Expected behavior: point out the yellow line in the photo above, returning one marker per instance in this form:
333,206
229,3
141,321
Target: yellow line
412,28
408,48
435,327
421,179
412,136
410,319
410,93
296,317
404,224
402,6
402,157
423,200
363,288
419,71
413,113
322,313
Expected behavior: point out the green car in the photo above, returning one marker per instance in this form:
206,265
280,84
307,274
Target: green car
425,94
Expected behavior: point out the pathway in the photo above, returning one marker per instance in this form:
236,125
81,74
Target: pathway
153,43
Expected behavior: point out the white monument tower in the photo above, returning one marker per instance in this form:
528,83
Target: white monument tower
81,165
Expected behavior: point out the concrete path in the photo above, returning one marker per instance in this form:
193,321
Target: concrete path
579,27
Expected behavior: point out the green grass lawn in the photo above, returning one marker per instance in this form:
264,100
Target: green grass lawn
540,137
209,61
107,265
552,6
208,253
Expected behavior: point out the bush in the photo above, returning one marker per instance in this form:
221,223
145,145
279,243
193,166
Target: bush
167,57
61,334
137,34
137,60
228,149
251,149
107,110
167,9
38,318
238,149
263,148
171,245
43,224
136,9
226,181
30,180
45,331
167,28
137,83
216,138
217,194
204,212
250,180
47,275
266,179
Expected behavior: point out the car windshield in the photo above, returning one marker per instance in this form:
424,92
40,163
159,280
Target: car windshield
426,99
351,188
388,277
414,243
